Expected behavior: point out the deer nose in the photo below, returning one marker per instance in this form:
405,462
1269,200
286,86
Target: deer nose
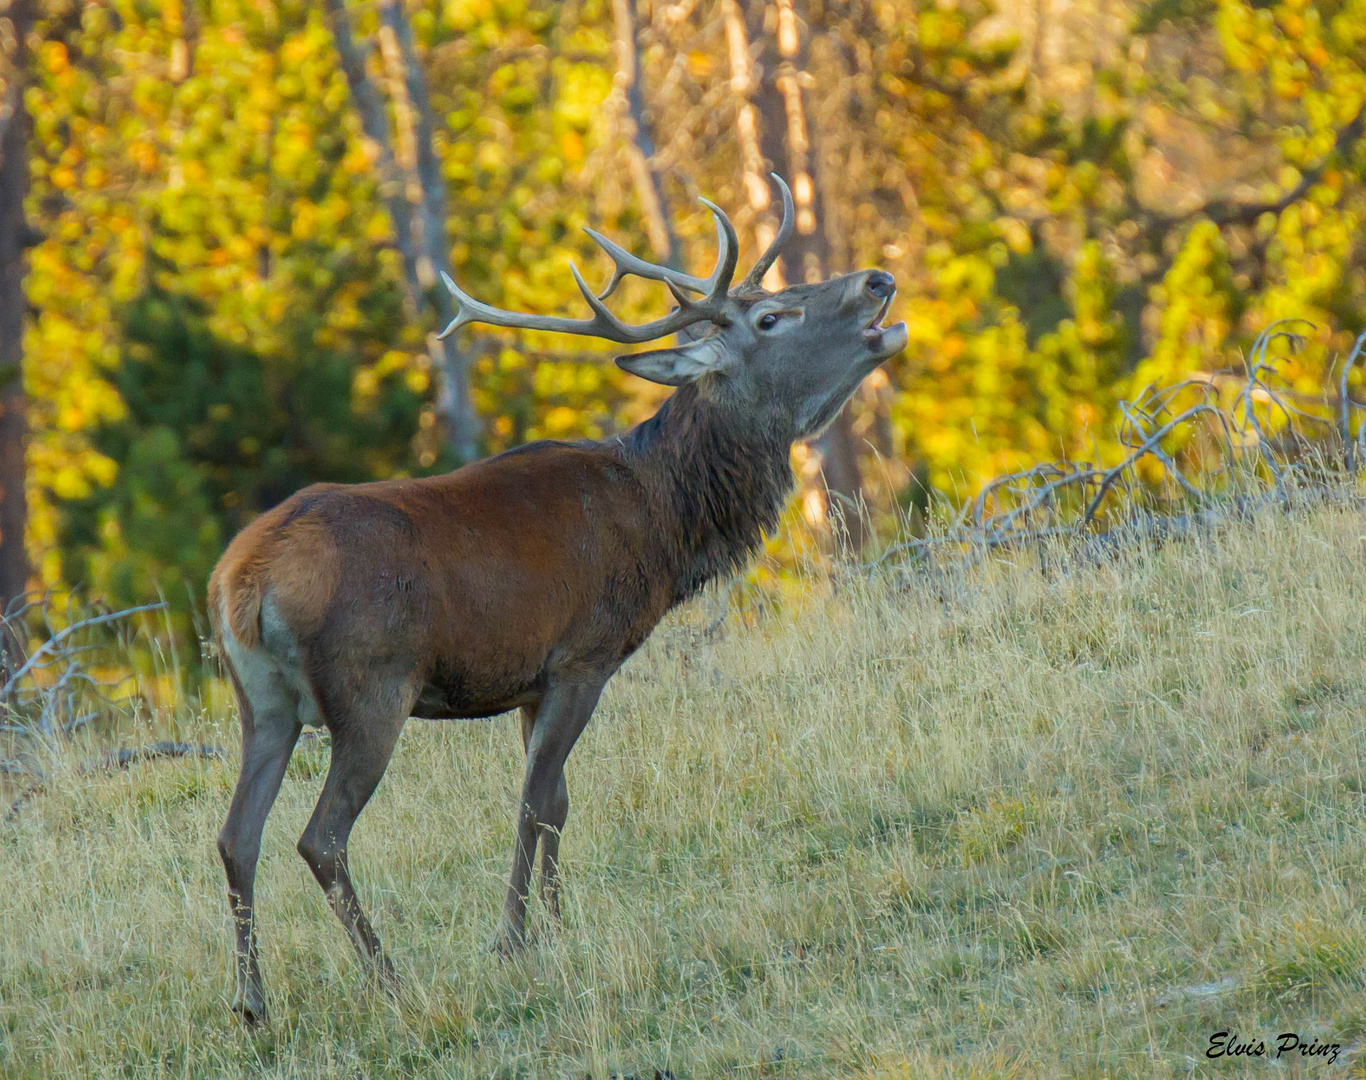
881,284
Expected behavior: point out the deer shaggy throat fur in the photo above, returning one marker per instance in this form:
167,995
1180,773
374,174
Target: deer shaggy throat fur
525,580
718,483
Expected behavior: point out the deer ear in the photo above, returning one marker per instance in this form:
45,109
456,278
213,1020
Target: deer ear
676,366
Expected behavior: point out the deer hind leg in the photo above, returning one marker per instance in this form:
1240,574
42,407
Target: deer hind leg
270,728
363,740
549,828
558,722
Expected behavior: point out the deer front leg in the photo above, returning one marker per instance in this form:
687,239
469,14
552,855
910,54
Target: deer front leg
549,829
559,721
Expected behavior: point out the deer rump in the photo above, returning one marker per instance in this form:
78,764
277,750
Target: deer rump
470,586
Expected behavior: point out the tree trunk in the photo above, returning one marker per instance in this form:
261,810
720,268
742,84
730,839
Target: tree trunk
640,142
15,125
747,132
424,250
374,123
786,142
434,256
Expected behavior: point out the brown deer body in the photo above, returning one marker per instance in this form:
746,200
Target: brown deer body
524,580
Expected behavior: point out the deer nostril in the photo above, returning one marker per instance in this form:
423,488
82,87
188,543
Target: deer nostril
881,284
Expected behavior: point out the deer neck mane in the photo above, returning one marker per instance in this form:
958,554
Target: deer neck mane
719,480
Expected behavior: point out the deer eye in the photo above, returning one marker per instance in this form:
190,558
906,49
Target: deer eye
768,321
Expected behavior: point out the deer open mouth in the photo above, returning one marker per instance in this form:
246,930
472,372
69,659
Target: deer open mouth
881,340
874,329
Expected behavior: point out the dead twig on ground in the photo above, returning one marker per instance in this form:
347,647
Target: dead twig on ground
123,758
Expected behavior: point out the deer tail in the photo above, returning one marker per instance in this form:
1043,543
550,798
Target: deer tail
236,591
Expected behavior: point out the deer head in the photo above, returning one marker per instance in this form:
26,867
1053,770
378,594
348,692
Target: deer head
792,357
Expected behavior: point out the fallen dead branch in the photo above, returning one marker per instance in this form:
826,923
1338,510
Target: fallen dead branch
123,758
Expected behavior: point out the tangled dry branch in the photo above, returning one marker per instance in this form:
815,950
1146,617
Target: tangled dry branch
49,689
53,687
1207,450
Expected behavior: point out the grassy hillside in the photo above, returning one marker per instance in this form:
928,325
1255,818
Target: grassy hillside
1060,826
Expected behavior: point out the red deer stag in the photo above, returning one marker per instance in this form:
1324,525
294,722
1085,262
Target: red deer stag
525,580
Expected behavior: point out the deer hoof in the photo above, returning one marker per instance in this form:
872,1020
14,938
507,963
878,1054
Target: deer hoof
508,941
250,1005
387,977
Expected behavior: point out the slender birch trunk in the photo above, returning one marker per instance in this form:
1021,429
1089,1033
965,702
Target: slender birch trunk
638,133
754,173
454,402
414,194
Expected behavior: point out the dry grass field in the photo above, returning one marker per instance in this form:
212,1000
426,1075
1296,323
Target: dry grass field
1067,824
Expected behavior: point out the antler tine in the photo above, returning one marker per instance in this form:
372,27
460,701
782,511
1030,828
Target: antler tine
626,263
612,328
727,255
687,313
785,231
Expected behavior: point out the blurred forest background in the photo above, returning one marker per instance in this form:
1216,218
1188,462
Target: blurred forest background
221,224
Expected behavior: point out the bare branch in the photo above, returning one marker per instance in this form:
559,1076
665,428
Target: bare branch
1226,212
1065,500
51,646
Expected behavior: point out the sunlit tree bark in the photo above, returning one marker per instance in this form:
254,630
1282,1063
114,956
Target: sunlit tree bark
743,87
638,132
787,143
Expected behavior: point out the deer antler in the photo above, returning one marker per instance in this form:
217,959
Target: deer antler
604,324
626,263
